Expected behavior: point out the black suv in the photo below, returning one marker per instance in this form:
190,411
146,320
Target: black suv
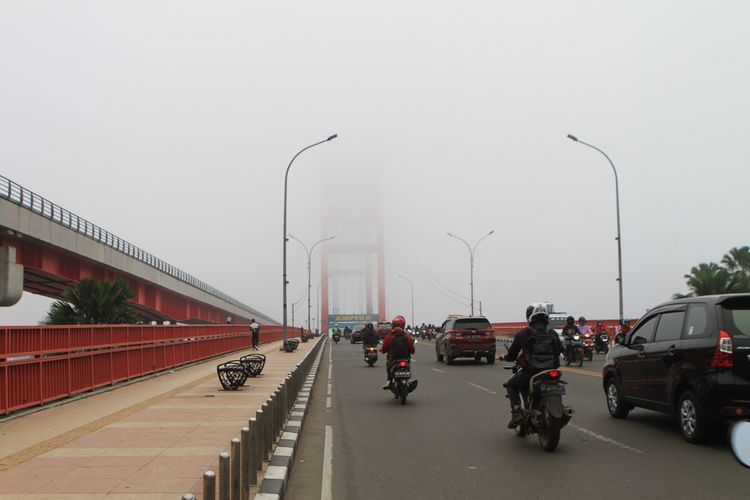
688,357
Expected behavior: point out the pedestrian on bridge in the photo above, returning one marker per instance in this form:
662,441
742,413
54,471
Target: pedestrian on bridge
255,331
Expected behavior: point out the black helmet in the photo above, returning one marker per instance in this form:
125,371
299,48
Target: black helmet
529,310
582,320
570,319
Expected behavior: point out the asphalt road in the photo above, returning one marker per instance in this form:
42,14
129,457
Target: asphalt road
450,441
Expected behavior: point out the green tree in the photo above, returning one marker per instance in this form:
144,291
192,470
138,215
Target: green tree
92,302
738,260
712,279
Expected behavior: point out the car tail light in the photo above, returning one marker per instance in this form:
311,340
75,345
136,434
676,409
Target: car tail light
554,374
402,364
724,353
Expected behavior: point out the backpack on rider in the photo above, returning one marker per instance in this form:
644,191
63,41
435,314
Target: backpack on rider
400,347
542,349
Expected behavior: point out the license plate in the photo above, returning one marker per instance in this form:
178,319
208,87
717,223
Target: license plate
402,374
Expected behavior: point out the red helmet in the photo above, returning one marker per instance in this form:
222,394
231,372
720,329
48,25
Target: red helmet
398,321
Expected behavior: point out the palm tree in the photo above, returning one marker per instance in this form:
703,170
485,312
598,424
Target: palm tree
711,279
93,302
738,259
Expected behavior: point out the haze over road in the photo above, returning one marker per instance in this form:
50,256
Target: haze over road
450,441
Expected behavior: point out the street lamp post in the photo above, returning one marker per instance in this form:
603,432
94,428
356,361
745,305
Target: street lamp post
413,325
309,266
617,201
471,262
286,179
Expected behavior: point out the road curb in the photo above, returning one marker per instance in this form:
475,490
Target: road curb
279,469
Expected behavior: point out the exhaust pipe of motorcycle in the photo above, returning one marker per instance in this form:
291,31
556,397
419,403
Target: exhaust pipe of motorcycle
567,415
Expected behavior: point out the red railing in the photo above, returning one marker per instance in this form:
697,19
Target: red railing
510,329
40,364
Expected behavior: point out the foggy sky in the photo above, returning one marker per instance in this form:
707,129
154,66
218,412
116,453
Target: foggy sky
170,124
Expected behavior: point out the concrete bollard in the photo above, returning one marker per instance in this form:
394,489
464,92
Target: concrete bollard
277,399
245,463
260,439
253,450
224,476
234,476
267,445
209,485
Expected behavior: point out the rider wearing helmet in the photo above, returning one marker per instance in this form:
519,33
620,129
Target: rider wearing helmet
369,336
568,331
540,349
397,345
583,327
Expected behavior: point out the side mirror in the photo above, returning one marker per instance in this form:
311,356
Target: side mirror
620,339
739,438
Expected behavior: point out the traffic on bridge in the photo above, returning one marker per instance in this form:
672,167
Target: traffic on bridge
374,250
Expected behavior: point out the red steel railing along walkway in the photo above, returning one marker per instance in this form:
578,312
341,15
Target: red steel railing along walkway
40,364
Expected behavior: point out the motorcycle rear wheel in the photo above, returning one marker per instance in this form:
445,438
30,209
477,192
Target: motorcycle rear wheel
549,434
403,394
370,362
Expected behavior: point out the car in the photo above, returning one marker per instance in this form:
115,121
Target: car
688,357
383,328
356,336
465,337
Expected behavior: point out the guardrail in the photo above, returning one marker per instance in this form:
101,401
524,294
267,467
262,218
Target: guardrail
511,328
46,363
25,198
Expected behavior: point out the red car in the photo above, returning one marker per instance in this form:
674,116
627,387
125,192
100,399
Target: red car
466,337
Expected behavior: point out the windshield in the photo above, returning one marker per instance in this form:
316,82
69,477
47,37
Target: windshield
557,324
736,315
472,324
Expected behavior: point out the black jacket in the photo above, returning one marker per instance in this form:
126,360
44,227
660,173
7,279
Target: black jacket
369,337
521,341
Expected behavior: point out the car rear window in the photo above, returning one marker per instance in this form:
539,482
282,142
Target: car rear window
736,313
472,324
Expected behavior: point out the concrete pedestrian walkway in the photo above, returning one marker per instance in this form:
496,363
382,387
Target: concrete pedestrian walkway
151,440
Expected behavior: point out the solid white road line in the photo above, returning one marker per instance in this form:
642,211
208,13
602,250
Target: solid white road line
326,490
481,388
437,370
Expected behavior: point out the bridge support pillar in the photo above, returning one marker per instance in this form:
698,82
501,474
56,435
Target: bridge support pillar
11,277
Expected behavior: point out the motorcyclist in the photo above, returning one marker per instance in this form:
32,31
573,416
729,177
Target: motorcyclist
599,330
336,333
369,336
583,327
397,345
536,348
568,331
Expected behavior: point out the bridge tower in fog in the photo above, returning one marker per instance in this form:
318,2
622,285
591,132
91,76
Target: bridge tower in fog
353,264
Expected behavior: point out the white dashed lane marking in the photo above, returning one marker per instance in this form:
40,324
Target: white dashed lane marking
481,388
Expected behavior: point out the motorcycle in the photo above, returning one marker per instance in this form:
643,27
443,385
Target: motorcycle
336,338
574,351
588,346
401,383
542,407
371,354
602,343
